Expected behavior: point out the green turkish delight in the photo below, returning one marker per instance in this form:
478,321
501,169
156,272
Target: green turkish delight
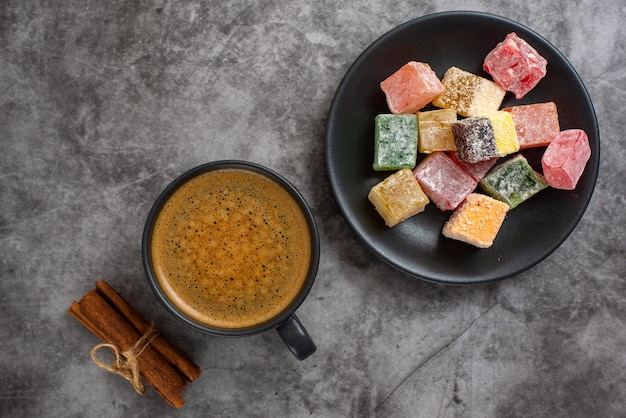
395,142
513,181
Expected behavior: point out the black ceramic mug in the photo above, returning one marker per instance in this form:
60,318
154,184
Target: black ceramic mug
231,249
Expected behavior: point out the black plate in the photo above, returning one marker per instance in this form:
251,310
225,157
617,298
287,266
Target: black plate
532,230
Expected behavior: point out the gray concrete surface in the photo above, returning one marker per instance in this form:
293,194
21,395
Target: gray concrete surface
102,103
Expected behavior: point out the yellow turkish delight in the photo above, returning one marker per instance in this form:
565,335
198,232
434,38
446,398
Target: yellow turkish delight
504,132
398,197
468,94
435,131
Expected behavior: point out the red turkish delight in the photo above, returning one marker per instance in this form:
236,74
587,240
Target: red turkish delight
564,160
515,65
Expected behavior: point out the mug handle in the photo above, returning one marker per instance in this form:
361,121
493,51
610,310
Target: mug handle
296,338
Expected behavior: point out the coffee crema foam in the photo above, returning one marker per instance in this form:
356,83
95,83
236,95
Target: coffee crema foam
231,248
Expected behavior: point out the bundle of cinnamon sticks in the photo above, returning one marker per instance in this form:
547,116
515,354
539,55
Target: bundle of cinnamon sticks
107,315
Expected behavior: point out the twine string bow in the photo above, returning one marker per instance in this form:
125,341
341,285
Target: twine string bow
126,363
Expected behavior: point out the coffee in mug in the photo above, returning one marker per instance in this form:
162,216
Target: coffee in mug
231,249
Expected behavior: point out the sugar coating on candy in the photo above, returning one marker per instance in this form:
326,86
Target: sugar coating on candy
564,160
536,124
468,94
445,183
435,130
515,65
476,170
395,142
513,181
411,87
398,197
477,221
504,132
474,140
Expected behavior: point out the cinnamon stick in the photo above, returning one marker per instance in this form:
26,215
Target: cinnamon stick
189,369
103,312
74,310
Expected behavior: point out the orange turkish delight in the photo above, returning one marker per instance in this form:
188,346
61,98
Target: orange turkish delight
411,88
536,124
477,221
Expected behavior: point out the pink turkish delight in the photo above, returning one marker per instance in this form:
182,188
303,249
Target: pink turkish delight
564,160
411,88
536,124
476,170
445,183
515,65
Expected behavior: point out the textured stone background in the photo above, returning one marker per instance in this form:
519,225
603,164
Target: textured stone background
102,103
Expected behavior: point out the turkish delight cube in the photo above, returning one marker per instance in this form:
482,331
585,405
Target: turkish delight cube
504,132
395,142
564,160
445,183
435,130
536,124
411,87
513,181
398,197
477,221
476,170
468,94
474,140
515,65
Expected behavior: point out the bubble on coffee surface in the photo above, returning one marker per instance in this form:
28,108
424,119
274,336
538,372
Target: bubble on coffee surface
235,248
